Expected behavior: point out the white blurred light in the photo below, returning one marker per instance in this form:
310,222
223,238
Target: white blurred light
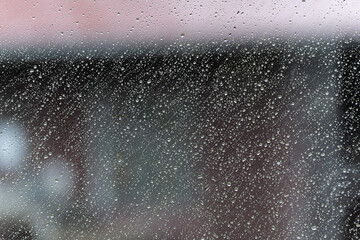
12,145
58,179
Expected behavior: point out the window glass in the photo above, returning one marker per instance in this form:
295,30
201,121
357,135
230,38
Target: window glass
179,120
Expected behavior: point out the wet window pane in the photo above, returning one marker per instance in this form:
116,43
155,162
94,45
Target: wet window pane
179,120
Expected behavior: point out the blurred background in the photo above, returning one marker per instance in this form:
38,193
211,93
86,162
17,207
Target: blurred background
179,120
57,22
